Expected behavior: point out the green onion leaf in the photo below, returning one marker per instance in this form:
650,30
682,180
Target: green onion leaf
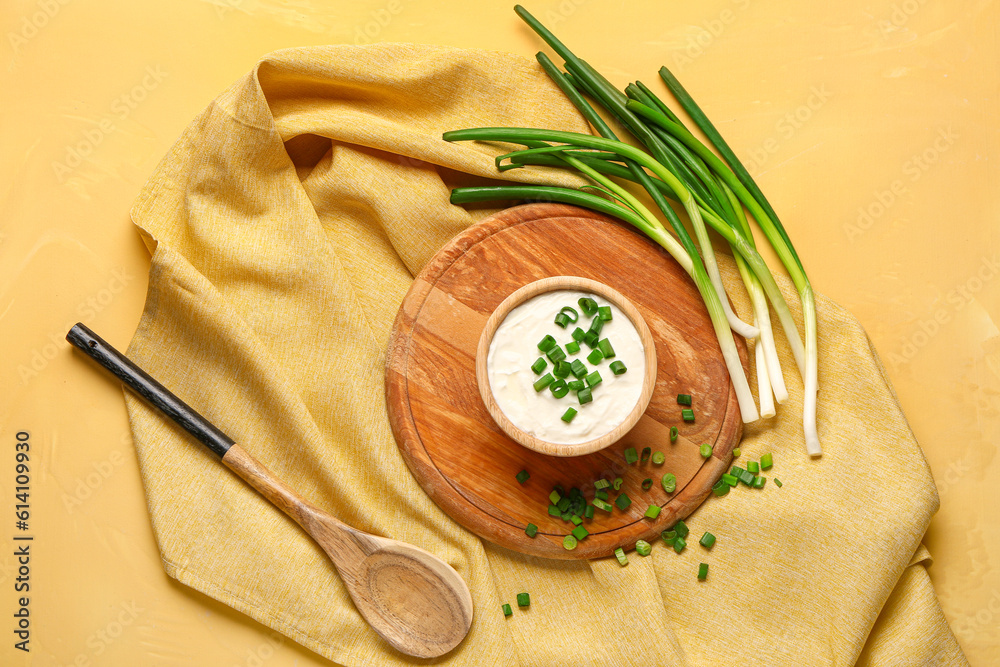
522,476
778,482
604,345
555,353
707,540
652,511
753,467
584,396
684,399
568,415
580,532
766,461
595,356
681,528
578,334
687,415
630,455
594,379
604,313
507,610
588,306
618,368
562,369
531,530
539,365
523,600
572,347
702,571
623,501
602,505
579,369
559,388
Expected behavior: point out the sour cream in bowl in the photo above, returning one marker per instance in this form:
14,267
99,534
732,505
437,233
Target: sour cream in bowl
565,391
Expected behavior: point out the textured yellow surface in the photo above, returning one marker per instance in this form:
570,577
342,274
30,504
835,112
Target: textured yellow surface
869,125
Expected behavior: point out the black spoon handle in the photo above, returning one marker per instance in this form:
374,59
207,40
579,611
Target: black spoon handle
141,383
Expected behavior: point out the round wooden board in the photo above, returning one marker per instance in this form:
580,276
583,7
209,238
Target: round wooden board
461,457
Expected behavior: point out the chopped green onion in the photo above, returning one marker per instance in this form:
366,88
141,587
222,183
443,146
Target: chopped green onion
568,415
594,379
570,312
580,532
747,477
643,548
618,368
684,399
616,484
652,511
531,530
737,452
602,484
555,353
623,501
591,339
669,536
753,467
604,312
702,571
630,455
658,458
595,356
588,306
588,513
601,493
579,369
562,369
572,347
766,461
563,504
682,529
731,480
565,515
647,484
554,511
759,482
778,482
679,544
620,555
596,326
669,482
687,414
736,471
507,610
559,388
673,434
522,476
555,497
584,396
707,540
539,365
604,345
576,385
602,505
645,454
543,382
578,334
562,320
523,600
720,488
576,520
705,450
546,343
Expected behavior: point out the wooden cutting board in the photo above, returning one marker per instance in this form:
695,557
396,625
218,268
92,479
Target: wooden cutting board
461,457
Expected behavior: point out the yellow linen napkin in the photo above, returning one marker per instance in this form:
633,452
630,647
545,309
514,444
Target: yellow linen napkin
286,225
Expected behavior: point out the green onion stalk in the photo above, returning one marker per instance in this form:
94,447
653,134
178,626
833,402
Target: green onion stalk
678,167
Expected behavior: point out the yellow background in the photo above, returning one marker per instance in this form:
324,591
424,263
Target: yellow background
870,125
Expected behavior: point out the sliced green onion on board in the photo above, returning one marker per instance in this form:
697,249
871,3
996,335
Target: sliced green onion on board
620,555
669,482
652,511
658,458
531,530
631,456
522,476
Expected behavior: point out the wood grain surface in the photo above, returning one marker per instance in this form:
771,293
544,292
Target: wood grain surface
465,462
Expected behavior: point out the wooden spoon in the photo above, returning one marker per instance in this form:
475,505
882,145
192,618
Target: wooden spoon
413,599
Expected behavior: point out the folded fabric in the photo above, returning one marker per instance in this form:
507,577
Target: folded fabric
286,225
